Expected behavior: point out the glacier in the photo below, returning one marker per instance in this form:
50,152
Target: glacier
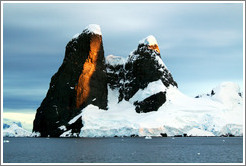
14,129
216,115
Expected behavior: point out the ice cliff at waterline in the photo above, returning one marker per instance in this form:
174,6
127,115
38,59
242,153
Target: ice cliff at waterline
94,96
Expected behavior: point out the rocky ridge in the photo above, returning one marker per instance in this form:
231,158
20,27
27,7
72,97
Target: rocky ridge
143,66
84,77
81,80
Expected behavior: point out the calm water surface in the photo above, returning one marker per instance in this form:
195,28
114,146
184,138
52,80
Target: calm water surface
124,150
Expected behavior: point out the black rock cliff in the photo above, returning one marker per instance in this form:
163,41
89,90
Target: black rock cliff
81,80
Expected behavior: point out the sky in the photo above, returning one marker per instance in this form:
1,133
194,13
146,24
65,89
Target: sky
200,43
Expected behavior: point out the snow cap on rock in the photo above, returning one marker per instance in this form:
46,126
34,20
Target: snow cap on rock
93,28
150,40
115,60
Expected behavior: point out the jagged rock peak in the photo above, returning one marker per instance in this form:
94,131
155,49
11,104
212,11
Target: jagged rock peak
93,28
143,67
151,42
90,29
80,81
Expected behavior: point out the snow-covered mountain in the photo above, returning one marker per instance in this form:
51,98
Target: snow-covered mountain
14,129
215,115
81,80
179,115
93,96
143,69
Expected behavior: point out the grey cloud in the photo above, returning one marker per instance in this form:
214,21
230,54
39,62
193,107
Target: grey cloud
197,41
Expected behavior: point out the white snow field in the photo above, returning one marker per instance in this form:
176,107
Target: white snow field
219,114
15,130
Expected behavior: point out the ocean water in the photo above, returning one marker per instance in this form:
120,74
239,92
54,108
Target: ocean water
124,150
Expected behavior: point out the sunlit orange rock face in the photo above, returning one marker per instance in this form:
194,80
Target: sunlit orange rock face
154,47
80,81
89,67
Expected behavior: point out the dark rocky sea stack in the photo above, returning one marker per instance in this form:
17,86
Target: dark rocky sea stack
81,80
144,65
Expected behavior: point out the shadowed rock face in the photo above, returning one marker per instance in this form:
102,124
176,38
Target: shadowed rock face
151,103
81,80
143,66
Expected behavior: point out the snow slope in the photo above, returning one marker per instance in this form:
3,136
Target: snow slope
7,123
179,115
14,129
93,28
151,89
150,40
227,93
115,60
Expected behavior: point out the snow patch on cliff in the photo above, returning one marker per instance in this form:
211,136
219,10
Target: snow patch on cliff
151,89
115,60
150,40
93,28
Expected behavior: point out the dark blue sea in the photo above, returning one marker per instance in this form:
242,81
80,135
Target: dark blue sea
124,150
